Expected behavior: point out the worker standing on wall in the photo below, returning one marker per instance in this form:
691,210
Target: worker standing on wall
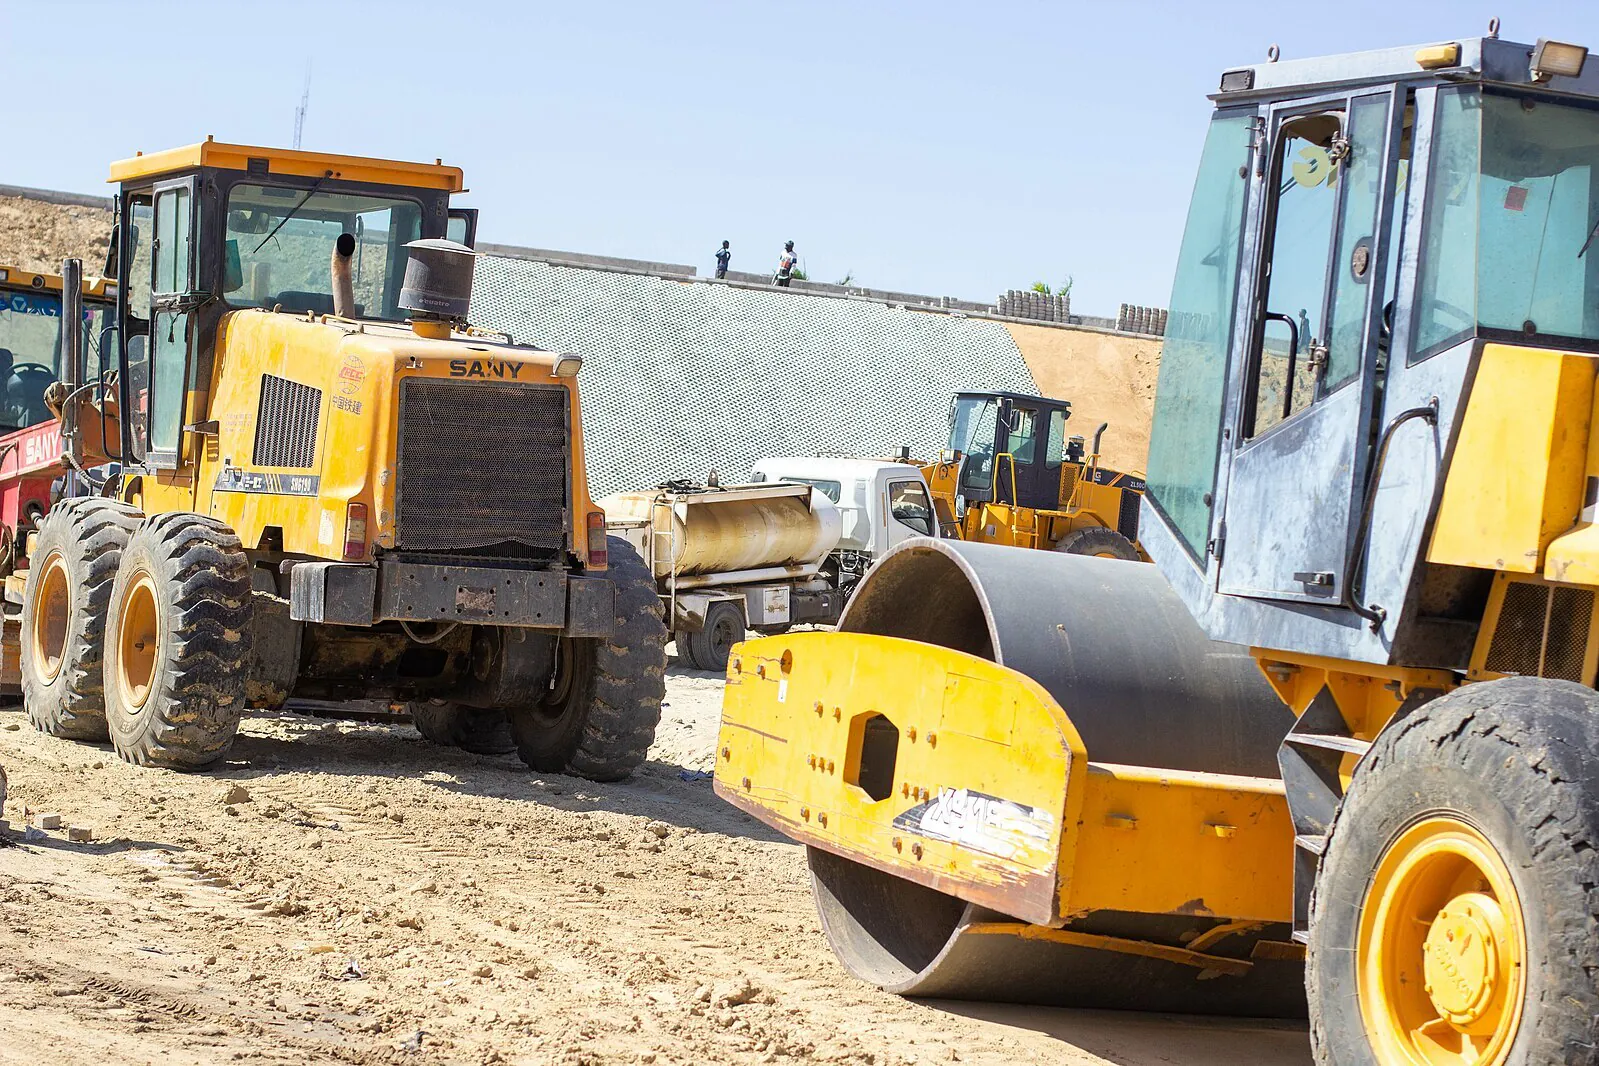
723,255
785,265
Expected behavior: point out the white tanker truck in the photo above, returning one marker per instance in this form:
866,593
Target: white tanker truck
783,550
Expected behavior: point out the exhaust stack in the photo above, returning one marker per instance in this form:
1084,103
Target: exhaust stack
343,281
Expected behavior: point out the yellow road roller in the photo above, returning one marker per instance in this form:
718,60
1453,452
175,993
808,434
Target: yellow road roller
1337,751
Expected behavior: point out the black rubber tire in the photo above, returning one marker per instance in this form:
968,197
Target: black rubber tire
479,730
600,718
196,694
1519,760
1097,540
90,535
710,648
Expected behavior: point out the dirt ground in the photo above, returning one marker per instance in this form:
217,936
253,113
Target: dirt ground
37,236
343,891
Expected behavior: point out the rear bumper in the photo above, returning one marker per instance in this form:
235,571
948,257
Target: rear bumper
356,594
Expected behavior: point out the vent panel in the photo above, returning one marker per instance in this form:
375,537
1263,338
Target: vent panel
1542,631
1567,646
286,422
1518,638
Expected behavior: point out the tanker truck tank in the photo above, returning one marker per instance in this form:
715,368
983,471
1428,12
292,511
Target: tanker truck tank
743,532
728,559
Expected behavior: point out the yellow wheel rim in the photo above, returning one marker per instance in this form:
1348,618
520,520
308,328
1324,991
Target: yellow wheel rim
1441,955
138,641
51,612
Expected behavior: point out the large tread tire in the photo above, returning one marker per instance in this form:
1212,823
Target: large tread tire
710,647
199,576
603,722
1518,760
479,730
85,538
1100,541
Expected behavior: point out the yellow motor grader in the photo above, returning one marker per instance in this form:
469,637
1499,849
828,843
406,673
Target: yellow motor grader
320,481
1338,749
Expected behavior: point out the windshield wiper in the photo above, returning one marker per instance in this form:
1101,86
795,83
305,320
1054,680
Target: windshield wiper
294,210
1591,234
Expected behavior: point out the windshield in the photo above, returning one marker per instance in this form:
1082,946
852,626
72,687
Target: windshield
971,432
30,352
272,262
1513,200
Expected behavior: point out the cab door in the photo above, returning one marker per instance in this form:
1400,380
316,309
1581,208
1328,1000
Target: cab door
1299,445
163,380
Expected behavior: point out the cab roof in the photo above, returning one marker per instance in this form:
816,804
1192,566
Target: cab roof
1462,60
1043,401
243,157
16,278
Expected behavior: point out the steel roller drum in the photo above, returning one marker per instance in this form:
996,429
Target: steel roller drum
1143,685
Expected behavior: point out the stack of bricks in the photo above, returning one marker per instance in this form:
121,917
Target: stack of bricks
1148,320
1025,303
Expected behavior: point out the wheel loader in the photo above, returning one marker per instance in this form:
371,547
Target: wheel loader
320,481
31,460
1012,475
1337,751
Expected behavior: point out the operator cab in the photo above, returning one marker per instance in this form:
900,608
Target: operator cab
1013,447
1361,227
212,228
30,341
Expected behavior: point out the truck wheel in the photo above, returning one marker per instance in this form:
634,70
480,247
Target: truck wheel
1455,917
710,647
1099,541
64,615
479,730
177,643
598,718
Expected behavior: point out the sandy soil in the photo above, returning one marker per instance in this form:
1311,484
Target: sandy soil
37,236
344,891
1107,377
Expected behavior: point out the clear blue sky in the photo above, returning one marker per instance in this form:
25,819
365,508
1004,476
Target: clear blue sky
935,147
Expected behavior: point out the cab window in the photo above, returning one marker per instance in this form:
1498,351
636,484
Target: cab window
909,505
1023,434
279,246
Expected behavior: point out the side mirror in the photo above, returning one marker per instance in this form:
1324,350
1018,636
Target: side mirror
111,257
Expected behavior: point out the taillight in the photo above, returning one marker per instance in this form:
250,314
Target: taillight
597,552
355,531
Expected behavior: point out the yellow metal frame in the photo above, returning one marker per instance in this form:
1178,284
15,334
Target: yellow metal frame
976,743
33,281
1515,479
213,153
1368,694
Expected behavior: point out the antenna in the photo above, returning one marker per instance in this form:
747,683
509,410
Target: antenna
305,104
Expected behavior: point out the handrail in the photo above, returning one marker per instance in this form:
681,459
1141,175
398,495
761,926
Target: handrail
1376,614
1293,356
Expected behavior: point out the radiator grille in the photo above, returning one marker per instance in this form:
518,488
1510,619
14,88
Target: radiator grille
285,424
1127,521
1535,637
482,466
